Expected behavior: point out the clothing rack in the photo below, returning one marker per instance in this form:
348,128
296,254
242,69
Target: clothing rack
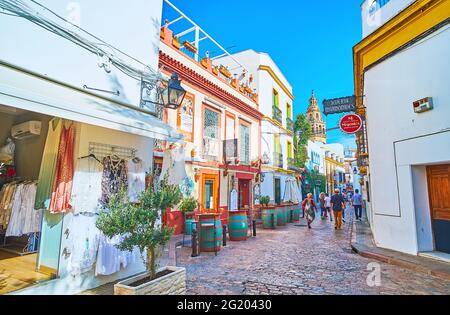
102,150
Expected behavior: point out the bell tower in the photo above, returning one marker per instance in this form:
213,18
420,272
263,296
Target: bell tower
318,125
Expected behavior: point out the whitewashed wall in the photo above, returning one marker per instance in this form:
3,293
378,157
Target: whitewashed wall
130,26
401,140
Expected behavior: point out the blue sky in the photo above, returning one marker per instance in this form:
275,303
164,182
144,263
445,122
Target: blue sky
311,41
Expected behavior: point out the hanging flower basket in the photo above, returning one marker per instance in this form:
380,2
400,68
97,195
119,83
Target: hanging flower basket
190,47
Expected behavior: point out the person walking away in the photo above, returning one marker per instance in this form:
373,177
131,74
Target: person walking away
309,208
357,204
338,206
328,206
323,210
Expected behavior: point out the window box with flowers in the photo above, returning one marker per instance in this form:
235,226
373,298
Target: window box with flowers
215,70
176,42
224,70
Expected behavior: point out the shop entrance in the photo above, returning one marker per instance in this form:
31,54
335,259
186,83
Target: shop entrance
244,193
210,189
439,196
22,139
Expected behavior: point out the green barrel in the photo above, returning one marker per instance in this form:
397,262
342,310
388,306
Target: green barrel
238,225
296,212
269,218
290,213
281,215
207,239
188,226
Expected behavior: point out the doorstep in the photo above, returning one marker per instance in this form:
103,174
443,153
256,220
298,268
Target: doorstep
362,243
444,257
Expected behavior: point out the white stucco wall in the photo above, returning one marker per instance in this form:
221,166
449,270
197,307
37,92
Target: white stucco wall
400,140
132,27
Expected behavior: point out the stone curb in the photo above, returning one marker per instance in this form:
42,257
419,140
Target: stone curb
365,252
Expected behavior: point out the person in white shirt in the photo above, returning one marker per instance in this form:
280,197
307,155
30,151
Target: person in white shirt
328,206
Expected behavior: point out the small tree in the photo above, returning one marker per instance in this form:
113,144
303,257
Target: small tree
140,223
302,133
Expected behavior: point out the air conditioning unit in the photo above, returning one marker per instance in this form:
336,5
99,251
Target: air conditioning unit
26,130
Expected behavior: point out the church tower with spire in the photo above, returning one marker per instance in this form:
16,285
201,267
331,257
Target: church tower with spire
318,125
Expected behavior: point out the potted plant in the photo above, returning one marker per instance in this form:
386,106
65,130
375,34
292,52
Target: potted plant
215,70
264,201
176,42
187,207
190,47
138,225
224,70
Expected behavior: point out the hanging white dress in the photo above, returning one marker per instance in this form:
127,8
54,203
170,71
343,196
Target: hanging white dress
84,244
32,218
86,187
14,225
136,179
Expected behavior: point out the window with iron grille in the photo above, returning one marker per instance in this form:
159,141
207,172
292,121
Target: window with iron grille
211,144
245,144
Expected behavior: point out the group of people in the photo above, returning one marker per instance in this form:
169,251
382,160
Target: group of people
334,205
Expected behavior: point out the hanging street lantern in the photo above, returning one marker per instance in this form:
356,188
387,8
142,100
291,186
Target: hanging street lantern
174,94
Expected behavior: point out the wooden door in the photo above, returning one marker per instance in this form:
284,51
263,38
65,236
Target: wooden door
439,195
244,193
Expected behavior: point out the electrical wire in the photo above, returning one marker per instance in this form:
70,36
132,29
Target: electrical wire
20,9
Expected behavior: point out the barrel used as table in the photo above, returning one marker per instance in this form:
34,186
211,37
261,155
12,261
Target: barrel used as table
210,233
238,225
269,217
188,226
296,212
281,215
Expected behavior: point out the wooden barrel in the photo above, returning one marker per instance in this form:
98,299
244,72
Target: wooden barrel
296,212
269,217
281,215
238,225
289,213
209,243
188,226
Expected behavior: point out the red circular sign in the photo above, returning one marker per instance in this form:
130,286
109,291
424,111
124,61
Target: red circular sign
350,123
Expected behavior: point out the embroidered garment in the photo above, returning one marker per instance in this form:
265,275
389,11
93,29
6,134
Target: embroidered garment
136,180
87,187
84,245
6,201
62,185
24,219
48,165
114,177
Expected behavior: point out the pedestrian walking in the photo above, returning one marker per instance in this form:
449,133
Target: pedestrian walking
338,206
357,204
328,206
309,208
323,210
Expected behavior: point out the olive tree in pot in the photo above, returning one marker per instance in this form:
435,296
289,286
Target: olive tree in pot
187,207
140,226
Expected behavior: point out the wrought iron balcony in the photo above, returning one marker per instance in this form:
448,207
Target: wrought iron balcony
277,114
278,160
289,124
230,150
291,164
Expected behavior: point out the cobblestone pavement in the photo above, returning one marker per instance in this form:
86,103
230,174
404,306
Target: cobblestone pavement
295,260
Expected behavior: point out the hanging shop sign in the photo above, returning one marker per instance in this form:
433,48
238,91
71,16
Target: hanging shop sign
339,105
350,123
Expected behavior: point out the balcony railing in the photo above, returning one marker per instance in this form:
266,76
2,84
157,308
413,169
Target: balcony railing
290,124
277,114
291,164
278,160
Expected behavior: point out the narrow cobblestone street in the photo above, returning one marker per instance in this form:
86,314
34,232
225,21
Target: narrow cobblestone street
295,260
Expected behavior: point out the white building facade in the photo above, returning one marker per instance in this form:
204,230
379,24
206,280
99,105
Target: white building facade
276,104
408,178
92,78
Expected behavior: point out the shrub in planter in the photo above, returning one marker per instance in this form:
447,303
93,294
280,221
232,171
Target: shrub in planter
139,224
187,207
264,201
